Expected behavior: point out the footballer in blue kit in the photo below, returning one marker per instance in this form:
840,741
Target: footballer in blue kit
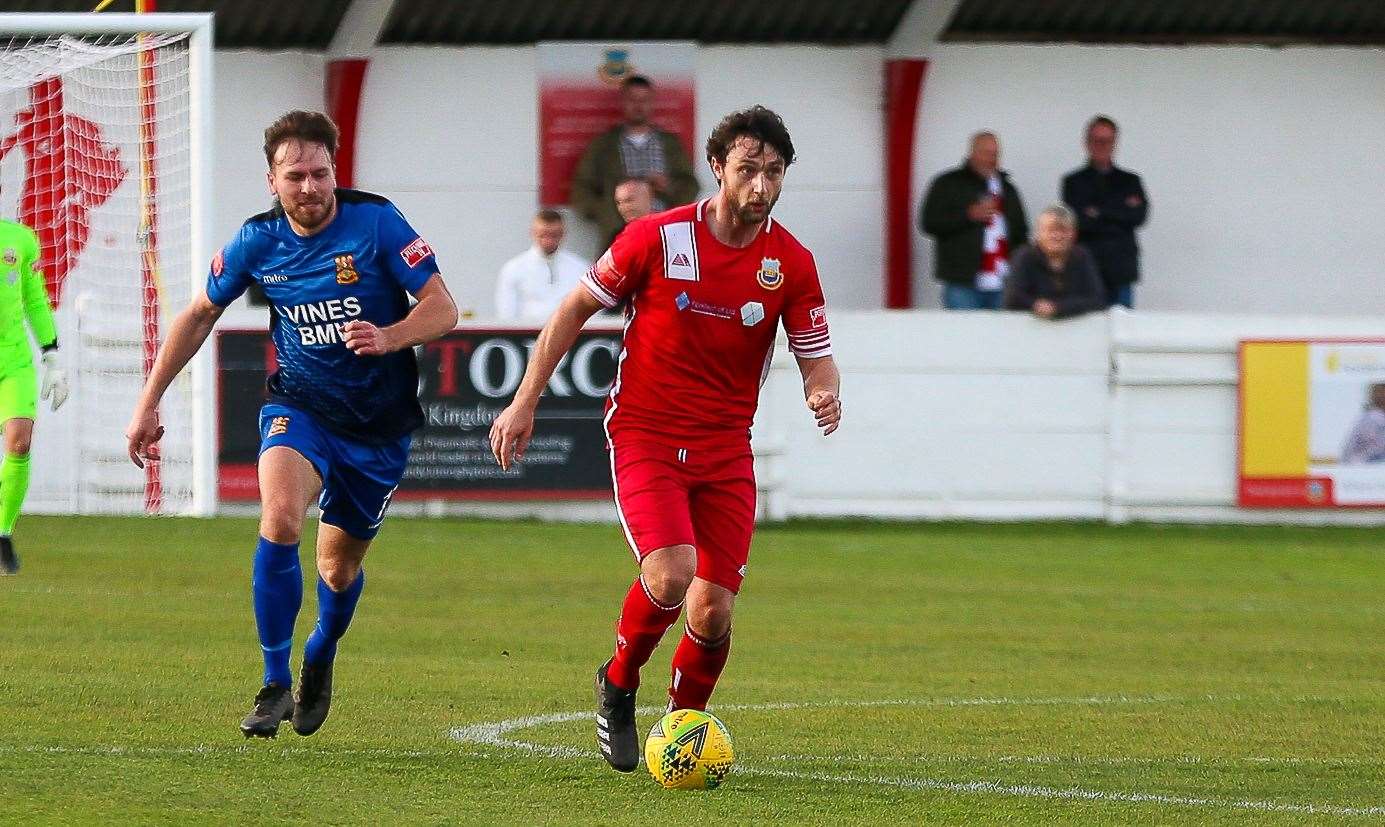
339,267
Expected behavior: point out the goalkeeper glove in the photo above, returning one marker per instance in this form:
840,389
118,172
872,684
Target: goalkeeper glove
54,380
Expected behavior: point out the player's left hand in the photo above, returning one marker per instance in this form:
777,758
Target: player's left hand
54,384
827,408
365,339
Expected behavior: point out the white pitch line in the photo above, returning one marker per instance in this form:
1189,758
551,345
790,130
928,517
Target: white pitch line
494,734
1232,761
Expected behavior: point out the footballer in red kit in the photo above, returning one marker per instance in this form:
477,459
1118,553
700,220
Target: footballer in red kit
706,286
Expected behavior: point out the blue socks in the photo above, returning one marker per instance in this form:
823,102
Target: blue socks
334,611
278,593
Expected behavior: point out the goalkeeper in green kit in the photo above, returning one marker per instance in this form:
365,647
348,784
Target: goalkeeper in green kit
22,298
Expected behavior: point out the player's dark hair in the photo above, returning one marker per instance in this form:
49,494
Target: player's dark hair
758,123
548,215
636,81
311,127
1101,120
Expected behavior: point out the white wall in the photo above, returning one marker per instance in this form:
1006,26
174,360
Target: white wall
251,89
1262,165
452,136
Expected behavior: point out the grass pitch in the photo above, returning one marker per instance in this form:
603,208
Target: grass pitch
880,674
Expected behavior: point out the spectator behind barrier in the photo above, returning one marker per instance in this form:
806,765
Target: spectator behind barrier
1053,277
533,283
1110,203
975,215
634,198
634,148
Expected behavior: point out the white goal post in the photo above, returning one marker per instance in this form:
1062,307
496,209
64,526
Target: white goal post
105,152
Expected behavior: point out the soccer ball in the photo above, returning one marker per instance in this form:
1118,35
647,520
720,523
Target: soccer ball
689,750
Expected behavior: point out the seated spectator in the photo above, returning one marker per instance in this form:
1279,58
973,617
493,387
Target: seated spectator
1366,442
634,199
532,284
1053,277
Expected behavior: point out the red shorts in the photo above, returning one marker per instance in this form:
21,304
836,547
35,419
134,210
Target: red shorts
702,497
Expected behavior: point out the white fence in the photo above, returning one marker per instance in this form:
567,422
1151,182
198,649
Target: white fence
1121,416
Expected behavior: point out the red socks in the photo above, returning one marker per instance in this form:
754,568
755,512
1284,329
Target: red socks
642,624
697,664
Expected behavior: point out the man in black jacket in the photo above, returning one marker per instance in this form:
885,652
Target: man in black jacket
1110,203
976,218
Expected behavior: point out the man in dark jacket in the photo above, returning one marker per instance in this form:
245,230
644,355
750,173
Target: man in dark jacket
634,148
975,216
1053,277
1110,203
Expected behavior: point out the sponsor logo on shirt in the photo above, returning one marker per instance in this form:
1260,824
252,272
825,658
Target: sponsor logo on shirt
416,252
346,269
11,257
686,302
278,425
769,275
321,323
276,278
680,260
817,317
752,313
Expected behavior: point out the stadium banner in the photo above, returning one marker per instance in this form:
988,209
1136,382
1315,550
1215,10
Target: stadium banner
579,98
1311,423
467,379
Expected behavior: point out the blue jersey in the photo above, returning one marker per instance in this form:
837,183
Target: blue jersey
359,267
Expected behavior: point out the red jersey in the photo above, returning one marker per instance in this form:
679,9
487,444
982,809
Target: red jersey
701,324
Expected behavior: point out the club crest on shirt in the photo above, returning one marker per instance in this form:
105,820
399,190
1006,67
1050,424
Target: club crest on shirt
346,269
218,263
769,275
11,257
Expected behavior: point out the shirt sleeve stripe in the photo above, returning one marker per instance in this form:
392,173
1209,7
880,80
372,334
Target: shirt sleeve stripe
809,353
606,297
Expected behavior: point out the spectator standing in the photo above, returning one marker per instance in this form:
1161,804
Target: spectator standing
1054,278
1110,204
975,216
635,148
532,284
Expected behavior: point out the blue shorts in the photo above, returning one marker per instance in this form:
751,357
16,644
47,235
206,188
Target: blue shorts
358,478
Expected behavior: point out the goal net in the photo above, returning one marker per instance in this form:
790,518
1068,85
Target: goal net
97,134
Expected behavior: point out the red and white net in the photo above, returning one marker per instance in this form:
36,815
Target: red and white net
94,156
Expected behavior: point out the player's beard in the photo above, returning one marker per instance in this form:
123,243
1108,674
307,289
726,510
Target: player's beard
749,212
311,213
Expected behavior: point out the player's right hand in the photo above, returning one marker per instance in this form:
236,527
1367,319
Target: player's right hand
510,434
143,432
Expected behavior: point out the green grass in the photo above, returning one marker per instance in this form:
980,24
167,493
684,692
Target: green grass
1028,674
